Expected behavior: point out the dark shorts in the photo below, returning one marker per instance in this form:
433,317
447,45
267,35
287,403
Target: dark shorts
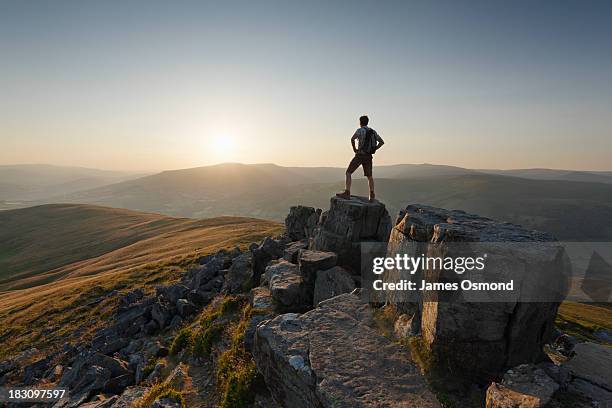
361,159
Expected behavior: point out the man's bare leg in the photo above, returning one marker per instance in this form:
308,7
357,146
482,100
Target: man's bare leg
371,185
348,182
346,194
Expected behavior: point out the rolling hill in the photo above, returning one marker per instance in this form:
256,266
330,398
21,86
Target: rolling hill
52,242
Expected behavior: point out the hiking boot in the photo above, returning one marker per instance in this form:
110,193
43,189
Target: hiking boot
372,196
345,194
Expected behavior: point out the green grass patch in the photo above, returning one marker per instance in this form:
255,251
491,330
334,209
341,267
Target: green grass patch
160,391
384,319
237,377
231,304
205,338
183,341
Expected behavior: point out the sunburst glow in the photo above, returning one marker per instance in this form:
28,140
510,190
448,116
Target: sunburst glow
223,147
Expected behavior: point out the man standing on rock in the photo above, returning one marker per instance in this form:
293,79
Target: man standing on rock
368,143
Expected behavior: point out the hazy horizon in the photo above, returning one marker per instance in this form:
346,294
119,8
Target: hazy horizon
153,171
151,86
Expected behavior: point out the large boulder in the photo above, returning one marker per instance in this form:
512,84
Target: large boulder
347,224
330,357
288,288
239,277
478,333
301,221
267,251
332,282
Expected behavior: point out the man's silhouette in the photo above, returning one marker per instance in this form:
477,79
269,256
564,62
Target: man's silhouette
368,141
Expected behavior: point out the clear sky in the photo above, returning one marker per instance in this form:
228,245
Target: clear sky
146,85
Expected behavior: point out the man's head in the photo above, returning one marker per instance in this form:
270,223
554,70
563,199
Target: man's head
363,121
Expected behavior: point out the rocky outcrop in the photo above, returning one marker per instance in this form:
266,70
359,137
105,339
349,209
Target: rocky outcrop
347,224
525,386
481,339
301,221
330,357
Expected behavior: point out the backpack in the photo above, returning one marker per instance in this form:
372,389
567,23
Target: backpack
369,143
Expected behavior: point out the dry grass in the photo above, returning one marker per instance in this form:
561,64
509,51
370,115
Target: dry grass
47,243
584,319
72,308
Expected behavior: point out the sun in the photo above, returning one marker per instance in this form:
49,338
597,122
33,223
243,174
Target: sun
223,147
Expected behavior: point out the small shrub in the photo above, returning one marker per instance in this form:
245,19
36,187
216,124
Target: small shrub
183,341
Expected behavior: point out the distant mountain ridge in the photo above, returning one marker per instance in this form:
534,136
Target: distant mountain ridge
41,181
544,199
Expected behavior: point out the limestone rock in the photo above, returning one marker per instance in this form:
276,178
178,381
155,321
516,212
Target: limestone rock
288,287
347,224
591,371
332,282
301,221
311,261
185,308
328,358
267,251
262,304
292,250
261,298
161,314
172,293
239,275
525,386
504,333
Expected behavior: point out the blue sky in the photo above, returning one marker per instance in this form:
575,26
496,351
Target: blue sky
157,85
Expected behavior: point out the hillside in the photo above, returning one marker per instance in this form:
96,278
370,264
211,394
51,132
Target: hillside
69,255
26,182
46,243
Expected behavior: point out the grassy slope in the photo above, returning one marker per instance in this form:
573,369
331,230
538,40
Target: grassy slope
71,308
46,243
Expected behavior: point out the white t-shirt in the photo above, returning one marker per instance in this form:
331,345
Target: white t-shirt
360,135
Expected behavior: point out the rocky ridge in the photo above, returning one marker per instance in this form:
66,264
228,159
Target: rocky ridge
313,338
